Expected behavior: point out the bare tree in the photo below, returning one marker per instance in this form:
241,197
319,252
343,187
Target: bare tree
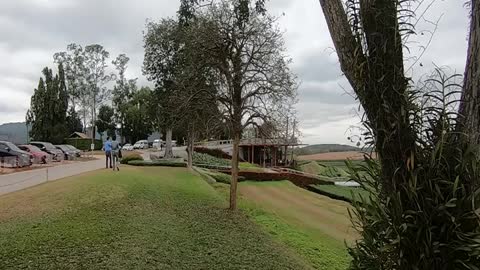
97,78
249,66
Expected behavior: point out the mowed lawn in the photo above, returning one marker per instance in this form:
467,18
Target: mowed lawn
316,226
139,218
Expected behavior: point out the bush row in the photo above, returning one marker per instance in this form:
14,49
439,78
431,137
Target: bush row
84,144
132,157
218,153
201,158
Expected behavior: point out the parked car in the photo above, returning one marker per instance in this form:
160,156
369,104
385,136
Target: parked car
142,144
38,155
77,152
127,147
157,144
68,153
57,154
9,149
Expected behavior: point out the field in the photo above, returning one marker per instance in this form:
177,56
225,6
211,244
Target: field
353,155
314,226
139,218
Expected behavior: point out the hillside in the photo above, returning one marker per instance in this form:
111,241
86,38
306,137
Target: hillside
14,132
325,148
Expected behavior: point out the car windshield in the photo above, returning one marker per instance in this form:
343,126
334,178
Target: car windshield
33,148
13,146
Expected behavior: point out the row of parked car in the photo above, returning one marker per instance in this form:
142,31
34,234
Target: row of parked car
37,152
144,144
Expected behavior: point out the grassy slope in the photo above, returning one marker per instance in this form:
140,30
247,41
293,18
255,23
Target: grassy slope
308,229
140,218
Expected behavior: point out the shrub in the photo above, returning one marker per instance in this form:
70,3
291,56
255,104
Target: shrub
133,157
218,153
157,163
84,144
199,158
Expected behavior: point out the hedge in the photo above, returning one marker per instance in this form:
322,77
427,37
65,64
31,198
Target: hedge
157,163
132,157
84,144
218,153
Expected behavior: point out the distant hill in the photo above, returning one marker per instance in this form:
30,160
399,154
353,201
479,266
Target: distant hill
325,148
14,132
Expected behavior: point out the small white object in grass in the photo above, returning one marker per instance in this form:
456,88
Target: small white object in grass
347,184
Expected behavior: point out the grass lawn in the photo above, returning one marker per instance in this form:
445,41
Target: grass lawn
139,218
313,225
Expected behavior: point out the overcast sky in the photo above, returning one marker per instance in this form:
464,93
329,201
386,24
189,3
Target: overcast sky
31,31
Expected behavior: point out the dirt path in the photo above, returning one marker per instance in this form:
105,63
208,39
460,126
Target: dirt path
303,208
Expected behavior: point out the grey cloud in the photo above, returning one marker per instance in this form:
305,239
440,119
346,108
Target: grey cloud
32,30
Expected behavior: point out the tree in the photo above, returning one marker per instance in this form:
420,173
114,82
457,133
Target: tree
105,120
138,125
470,106
160,64
48,109
73,60
245,51
122,91
422,209
74,123
97,77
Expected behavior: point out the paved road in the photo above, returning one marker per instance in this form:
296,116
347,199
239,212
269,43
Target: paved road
22,180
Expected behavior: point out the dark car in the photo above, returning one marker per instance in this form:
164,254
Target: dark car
69,154
22,158
57,154
77,152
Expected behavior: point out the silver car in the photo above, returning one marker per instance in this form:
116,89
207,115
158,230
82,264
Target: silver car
57,154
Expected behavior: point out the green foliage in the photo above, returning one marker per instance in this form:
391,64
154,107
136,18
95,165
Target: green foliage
137,120
199,158
48,108
105,120
129,220
74,123
84,144
133,157
157,163
430,219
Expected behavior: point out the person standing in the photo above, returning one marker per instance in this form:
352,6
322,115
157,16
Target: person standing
115,153
107,147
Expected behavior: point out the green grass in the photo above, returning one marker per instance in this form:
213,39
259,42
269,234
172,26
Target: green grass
139,218
347,192
316,247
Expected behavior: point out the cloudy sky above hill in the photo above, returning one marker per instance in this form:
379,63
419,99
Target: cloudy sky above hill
32,31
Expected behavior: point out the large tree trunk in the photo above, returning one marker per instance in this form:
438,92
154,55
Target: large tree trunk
470,106
168,144
376,73
234,183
